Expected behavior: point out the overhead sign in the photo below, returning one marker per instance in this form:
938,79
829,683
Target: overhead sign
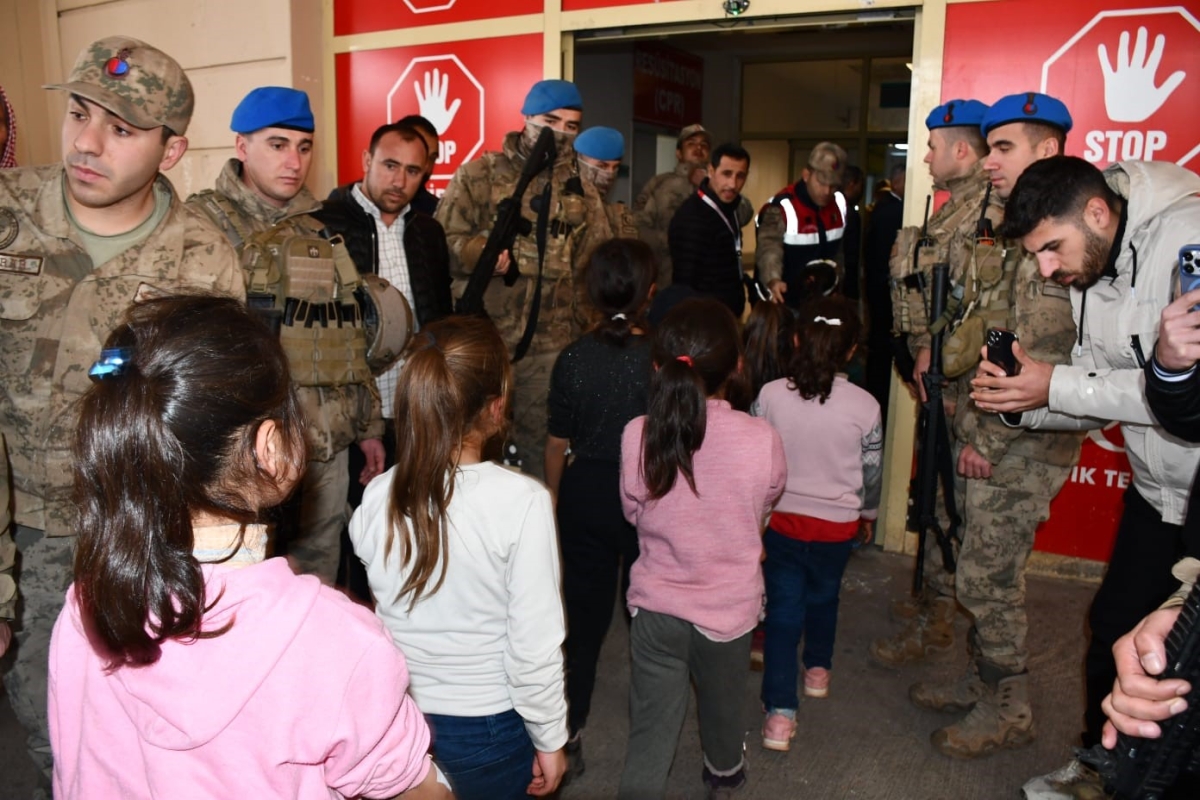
452,99
367,16
1128,70
470,90
668,85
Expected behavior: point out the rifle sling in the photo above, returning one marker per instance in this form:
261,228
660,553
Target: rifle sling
543,223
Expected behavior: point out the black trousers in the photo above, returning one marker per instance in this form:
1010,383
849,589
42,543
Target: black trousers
351,573
1137,581
598,548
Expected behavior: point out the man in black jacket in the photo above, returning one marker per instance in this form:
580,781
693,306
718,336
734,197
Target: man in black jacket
386,236
884,221
705,238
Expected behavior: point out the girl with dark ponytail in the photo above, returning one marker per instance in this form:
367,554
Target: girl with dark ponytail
182,656
833,440
462,562
598,385
697,480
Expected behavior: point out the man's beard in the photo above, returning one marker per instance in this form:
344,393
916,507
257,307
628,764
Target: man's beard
1095,258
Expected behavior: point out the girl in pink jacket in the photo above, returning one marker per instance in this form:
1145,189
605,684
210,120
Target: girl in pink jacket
185,664
697,480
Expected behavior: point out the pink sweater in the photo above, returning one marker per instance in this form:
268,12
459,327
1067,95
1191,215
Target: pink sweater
701,556
834,450
303,695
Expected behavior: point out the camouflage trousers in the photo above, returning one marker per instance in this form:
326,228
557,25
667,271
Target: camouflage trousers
324,512
44,571
531,390
999,518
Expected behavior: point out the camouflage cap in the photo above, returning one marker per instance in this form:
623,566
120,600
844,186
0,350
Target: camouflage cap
693,130
140,84
828,160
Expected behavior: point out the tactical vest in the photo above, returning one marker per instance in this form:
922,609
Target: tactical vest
306,288
800,248
980,294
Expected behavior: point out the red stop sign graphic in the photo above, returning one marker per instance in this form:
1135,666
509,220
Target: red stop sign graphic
423,6
449,96
1131,79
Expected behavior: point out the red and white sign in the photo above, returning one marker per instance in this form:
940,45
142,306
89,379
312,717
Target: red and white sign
668,85
1084,515
1130,79
471,91
1128,70
367,16
452,99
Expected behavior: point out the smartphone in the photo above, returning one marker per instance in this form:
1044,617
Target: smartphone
1189,269
1000,352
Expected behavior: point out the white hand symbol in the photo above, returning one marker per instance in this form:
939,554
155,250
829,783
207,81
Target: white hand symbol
433,101
1129,91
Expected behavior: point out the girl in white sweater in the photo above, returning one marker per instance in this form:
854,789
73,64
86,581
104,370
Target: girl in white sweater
462,560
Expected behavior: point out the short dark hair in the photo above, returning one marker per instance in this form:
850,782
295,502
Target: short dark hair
729,150
406,132
852,173
1053,188
969,134
419,123
1039,132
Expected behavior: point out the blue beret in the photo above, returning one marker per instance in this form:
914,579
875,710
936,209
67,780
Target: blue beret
1026,107
549,95
966,113
273,107
605,144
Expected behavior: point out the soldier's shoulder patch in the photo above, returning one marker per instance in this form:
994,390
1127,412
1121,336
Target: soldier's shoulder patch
9,227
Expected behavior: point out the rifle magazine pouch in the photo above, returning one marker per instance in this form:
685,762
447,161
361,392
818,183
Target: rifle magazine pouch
325,355
960,352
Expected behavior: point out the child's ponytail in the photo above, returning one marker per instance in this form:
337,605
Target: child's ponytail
696,351
453,368
829,329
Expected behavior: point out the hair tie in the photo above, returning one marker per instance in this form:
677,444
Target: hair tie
828,321
685,359
618,316
111,364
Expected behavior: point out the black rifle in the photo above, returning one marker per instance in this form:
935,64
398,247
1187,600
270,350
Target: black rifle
508,225
934,464
1142,769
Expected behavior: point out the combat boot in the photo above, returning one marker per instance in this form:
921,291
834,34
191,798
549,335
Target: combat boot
906,608
1001,719
930,631
957,695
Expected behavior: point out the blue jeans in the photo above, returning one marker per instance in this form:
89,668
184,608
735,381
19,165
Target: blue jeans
802,581
483,757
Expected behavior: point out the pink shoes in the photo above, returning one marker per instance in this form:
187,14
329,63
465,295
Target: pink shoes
816,682
778,732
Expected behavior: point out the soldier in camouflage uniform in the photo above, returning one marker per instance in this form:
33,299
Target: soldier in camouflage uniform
577,223
1006,477
599,151
79,242
262,190
663,194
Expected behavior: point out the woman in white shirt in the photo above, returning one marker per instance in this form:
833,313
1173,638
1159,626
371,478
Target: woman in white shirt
462,560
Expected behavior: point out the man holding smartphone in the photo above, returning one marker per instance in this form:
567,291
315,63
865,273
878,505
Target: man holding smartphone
1113,238
1006,477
